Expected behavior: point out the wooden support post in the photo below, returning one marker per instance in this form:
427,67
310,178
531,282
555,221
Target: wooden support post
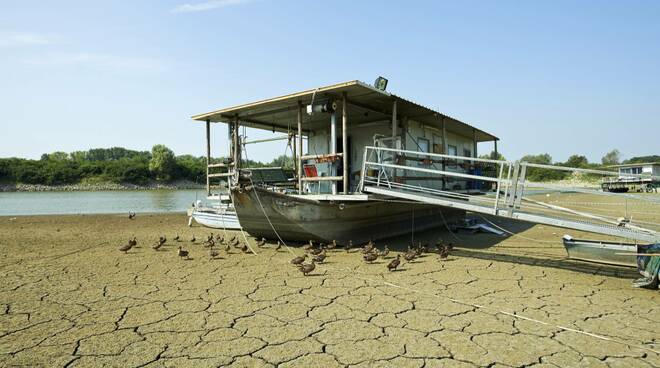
496,155
344,141
300,149
208,156
237,149
393,122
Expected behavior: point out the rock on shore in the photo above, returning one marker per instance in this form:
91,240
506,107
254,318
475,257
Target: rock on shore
182,184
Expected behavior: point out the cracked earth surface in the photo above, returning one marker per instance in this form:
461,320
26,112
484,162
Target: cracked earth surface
68,298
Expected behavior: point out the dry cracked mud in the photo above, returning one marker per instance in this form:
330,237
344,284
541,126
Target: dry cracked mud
69,298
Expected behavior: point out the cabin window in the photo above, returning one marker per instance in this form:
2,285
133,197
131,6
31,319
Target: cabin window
452,150
437,144
467,152
423,144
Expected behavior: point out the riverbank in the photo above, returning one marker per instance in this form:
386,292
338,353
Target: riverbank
91,187
70,298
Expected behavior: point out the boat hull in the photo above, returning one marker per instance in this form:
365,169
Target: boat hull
216,220
300,219
602,252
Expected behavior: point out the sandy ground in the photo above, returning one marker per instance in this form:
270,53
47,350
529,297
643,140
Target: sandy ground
70,298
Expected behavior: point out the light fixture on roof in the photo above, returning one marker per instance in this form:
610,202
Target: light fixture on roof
381,83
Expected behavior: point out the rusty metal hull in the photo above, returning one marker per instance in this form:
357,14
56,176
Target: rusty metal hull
299,219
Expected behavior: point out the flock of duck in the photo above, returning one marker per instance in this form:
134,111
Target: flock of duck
318,252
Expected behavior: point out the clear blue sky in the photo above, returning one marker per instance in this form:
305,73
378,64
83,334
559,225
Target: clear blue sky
560,77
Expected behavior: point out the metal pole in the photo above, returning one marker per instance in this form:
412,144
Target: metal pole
344,141
496,155
333,148
444,151
300,150
293,148
208,156
474,142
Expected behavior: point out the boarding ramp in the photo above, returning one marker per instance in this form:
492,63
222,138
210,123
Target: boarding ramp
544,194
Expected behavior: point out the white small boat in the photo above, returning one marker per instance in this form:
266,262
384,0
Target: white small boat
218,216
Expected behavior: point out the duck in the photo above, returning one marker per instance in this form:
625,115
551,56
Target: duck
193,239
279,245
162,239
370,257
410,255
309,245
209,243
183,253
125,248
132,242
261,242
245,248
131,215
298,260
444,253
177,238
349,245
394,263
157,245
368,247
317,251
332,245
383,253
306,268
213,253
319,258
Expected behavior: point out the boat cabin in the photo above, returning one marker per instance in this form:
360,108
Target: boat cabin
331,126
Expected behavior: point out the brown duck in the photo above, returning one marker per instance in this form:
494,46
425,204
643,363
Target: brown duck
370,257
383,253
394,263
298,260
183,253
306,268
261,242
319,258
125,248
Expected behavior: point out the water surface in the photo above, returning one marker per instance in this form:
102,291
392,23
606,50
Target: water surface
114,201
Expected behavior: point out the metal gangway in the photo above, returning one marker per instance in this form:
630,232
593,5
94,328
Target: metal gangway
512,189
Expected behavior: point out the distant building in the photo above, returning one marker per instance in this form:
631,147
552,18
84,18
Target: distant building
628,178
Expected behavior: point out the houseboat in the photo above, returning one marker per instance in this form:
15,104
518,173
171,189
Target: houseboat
331,128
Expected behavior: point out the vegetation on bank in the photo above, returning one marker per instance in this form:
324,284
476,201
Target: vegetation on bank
109,165
123,166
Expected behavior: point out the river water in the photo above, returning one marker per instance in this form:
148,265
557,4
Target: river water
115,201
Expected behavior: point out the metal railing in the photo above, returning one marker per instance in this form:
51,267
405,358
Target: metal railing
508,188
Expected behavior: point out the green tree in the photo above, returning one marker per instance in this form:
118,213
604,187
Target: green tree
612,158
493,156
577,161
162,163
541,174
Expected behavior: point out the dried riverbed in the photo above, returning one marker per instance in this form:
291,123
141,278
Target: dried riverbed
69,298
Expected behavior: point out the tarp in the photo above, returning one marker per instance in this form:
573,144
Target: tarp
649,267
